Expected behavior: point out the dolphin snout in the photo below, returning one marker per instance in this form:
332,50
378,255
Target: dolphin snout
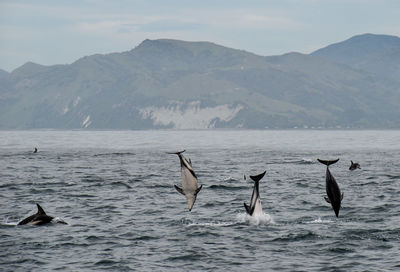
190,201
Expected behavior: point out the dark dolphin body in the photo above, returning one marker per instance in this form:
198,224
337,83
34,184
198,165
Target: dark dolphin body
255,202
332,188
354,166
189,188
39,218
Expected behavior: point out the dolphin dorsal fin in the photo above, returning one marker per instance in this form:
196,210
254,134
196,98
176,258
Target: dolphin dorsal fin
40,209
258,177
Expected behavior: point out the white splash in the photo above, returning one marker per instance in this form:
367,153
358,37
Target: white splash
6,222
307,160
59,220
263,219
190,116
212,224
319,221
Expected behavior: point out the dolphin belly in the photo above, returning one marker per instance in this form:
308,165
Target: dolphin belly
189,182
258,212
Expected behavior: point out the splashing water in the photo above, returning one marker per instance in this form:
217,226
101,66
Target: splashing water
59,220
6,222
212,224
145,226
263,219
320,221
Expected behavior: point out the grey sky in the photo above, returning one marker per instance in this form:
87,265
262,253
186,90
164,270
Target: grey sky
58,32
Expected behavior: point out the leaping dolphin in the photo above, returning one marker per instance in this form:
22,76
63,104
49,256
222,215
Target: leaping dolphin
332,188
354,166
255,208
39,218
189,188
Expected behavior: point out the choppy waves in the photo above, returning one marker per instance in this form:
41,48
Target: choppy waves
123,212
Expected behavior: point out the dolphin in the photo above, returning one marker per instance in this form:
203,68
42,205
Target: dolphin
354,166
255,208
189,188
39,218
332,188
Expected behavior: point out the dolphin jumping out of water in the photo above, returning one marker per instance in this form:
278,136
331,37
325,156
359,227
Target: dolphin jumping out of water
332,188
255,208
189,188
354,166
39,218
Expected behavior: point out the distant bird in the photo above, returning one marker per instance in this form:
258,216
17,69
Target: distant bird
354,166
39,218
334,197
255,208
35,151
190,187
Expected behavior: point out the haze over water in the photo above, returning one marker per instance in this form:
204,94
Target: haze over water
115,189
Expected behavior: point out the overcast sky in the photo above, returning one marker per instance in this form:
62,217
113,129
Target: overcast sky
61,31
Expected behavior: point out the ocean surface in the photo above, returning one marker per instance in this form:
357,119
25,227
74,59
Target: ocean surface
115,190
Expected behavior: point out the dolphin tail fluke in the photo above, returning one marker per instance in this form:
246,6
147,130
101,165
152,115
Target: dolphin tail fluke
40,209
177,153
258,177
327,199
198,190
179,190
327,163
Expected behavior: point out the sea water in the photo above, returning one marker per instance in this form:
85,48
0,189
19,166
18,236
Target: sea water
115,190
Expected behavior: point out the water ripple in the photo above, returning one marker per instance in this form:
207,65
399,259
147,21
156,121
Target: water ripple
124,214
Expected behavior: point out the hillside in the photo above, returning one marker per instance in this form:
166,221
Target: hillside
3,73
379,54
183,85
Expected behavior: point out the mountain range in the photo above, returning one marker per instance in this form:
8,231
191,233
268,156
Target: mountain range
198,85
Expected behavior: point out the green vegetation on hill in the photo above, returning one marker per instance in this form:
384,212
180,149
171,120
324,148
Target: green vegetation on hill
177,84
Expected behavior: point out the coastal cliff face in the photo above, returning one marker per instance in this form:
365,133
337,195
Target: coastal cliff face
200,85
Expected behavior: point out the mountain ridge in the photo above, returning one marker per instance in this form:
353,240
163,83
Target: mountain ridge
197,85
373,53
